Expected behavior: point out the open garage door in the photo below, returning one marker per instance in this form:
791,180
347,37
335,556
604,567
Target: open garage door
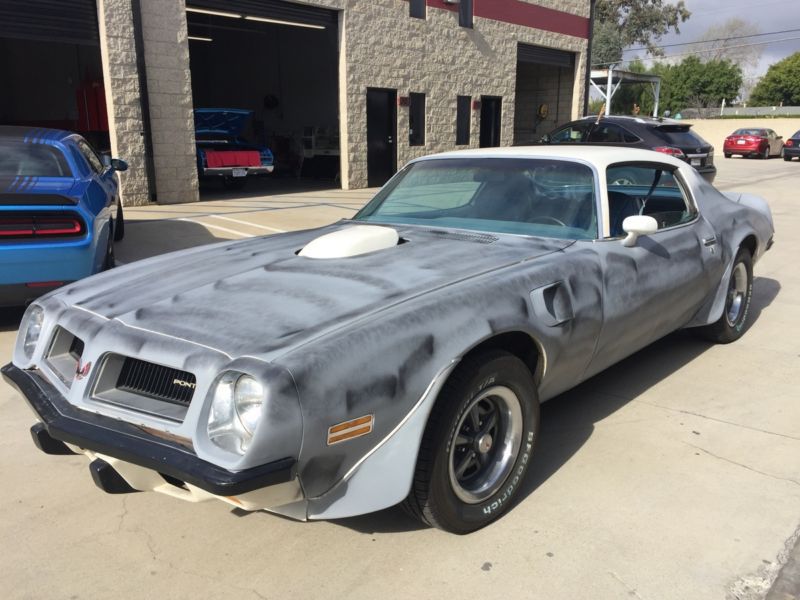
271,68
545,83
51,67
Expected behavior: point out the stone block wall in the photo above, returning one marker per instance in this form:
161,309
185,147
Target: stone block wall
123,97
169,86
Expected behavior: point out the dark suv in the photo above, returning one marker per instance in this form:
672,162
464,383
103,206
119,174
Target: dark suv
662,135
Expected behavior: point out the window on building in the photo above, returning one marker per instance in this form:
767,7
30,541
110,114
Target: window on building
417,8
416,119
465,13
463,105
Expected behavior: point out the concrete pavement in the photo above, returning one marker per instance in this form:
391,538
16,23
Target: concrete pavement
673,475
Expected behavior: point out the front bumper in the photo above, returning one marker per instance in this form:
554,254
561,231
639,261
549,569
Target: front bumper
141,457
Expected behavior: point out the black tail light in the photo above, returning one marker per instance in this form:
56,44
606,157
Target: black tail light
41,226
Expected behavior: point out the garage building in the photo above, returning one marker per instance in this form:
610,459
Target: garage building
343,90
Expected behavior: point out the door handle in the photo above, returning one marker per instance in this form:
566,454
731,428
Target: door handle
710,241
390,139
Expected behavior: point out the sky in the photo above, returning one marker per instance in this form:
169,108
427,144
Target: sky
767,15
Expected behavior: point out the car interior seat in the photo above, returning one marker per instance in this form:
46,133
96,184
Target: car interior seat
620,206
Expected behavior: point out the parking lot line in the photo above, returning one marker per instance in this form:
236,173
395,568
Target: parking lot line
217,227
240,222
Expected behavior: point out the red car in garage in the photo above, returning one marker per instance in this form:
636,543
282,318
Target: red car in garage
762,143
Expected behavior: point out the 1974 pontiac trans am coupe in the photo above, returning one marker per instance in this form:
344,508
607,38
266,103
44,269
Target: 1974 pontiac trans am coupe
400,356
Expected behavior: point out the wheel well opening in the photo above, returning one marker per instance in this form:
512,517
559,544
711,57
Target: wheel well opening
519,344
751,244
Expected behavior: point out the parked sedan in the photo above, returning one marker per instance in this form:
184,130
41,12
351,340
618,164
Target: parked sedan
763,143
400,356
60,211
222,153
791,149
667,136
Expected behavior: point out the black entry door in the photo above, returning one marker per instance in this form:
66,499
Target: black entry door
381,135
491,112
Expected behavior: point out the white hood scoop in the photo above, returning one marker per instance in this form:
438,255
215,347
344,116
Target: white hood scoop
351,241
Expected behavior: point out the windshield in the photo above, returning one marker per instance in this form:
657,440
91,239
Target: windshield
549,198
18,159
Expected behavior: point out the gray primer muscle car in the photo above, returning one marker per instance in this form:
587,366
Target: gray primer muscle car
400,356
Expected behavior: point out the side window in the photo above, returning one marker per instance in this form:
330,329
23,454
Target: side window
629,137
90,156
646,190
606,133
569,135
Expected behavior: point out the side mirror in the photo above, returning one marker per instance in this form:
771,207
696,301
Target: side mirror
118,164
638,225
545,139
780,137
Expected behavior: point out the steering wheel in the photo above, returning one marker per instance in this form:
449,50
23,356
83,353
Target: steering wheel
547,219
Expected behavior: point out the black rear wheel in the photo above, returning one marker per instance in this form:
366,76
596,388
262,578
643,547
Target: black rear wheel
110,261
119,224
477,444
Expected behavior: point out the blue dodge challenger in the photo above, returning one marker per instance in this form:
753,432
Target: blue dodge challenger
59,211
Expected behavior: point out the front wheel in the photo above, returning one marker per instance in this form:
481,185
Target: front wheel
477,445
765,154
730,326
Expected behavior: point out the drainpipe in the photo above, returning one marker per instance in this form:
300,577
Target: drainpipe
144,98
587,84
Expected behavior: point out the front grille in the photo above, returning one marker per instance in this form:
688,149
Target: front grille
156,381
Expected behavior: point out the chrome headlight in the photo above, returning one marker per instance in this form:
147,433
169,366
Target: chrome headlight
34,319
235,411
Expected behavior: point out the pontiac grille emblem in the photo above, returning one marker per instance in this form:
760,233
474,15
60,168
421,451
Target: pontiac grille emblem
182,383
82,371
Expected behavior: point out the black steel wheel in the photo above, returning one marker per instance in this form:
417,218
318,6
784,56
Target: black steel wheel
477,445
731,325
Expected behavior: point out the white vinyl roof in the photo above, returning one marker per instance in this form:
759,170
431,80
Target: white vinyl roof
599,156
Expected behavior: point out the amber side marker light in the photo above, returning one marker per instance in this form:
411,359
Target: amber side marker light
350,429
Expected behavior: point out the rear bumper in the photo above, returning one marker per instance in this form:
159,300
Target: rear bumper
742,149
791,151
56,261
144,461
228,171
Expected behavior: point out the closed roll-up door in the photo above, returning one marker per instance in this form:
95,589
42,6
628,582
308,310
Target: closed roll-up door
271,9
67,21
545,56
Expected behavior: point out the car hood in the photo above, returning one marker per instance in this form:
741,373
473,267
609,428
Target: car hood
225,121
258,297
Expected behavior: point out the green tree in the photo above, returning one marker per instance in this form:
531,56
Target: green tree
622,23
693,83
780,85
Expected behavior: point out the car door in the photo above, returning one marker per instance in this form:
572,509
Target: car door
659,284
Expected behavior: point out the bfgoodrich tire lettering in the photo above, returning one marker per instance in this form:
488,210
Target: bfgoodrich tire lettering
731,325
492,453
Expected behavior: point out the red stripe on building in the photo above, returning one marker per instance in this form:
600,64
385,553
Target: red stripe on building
527,15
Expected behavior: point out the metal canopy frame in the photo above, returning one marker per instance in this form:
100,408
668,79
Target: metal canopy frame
612,78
